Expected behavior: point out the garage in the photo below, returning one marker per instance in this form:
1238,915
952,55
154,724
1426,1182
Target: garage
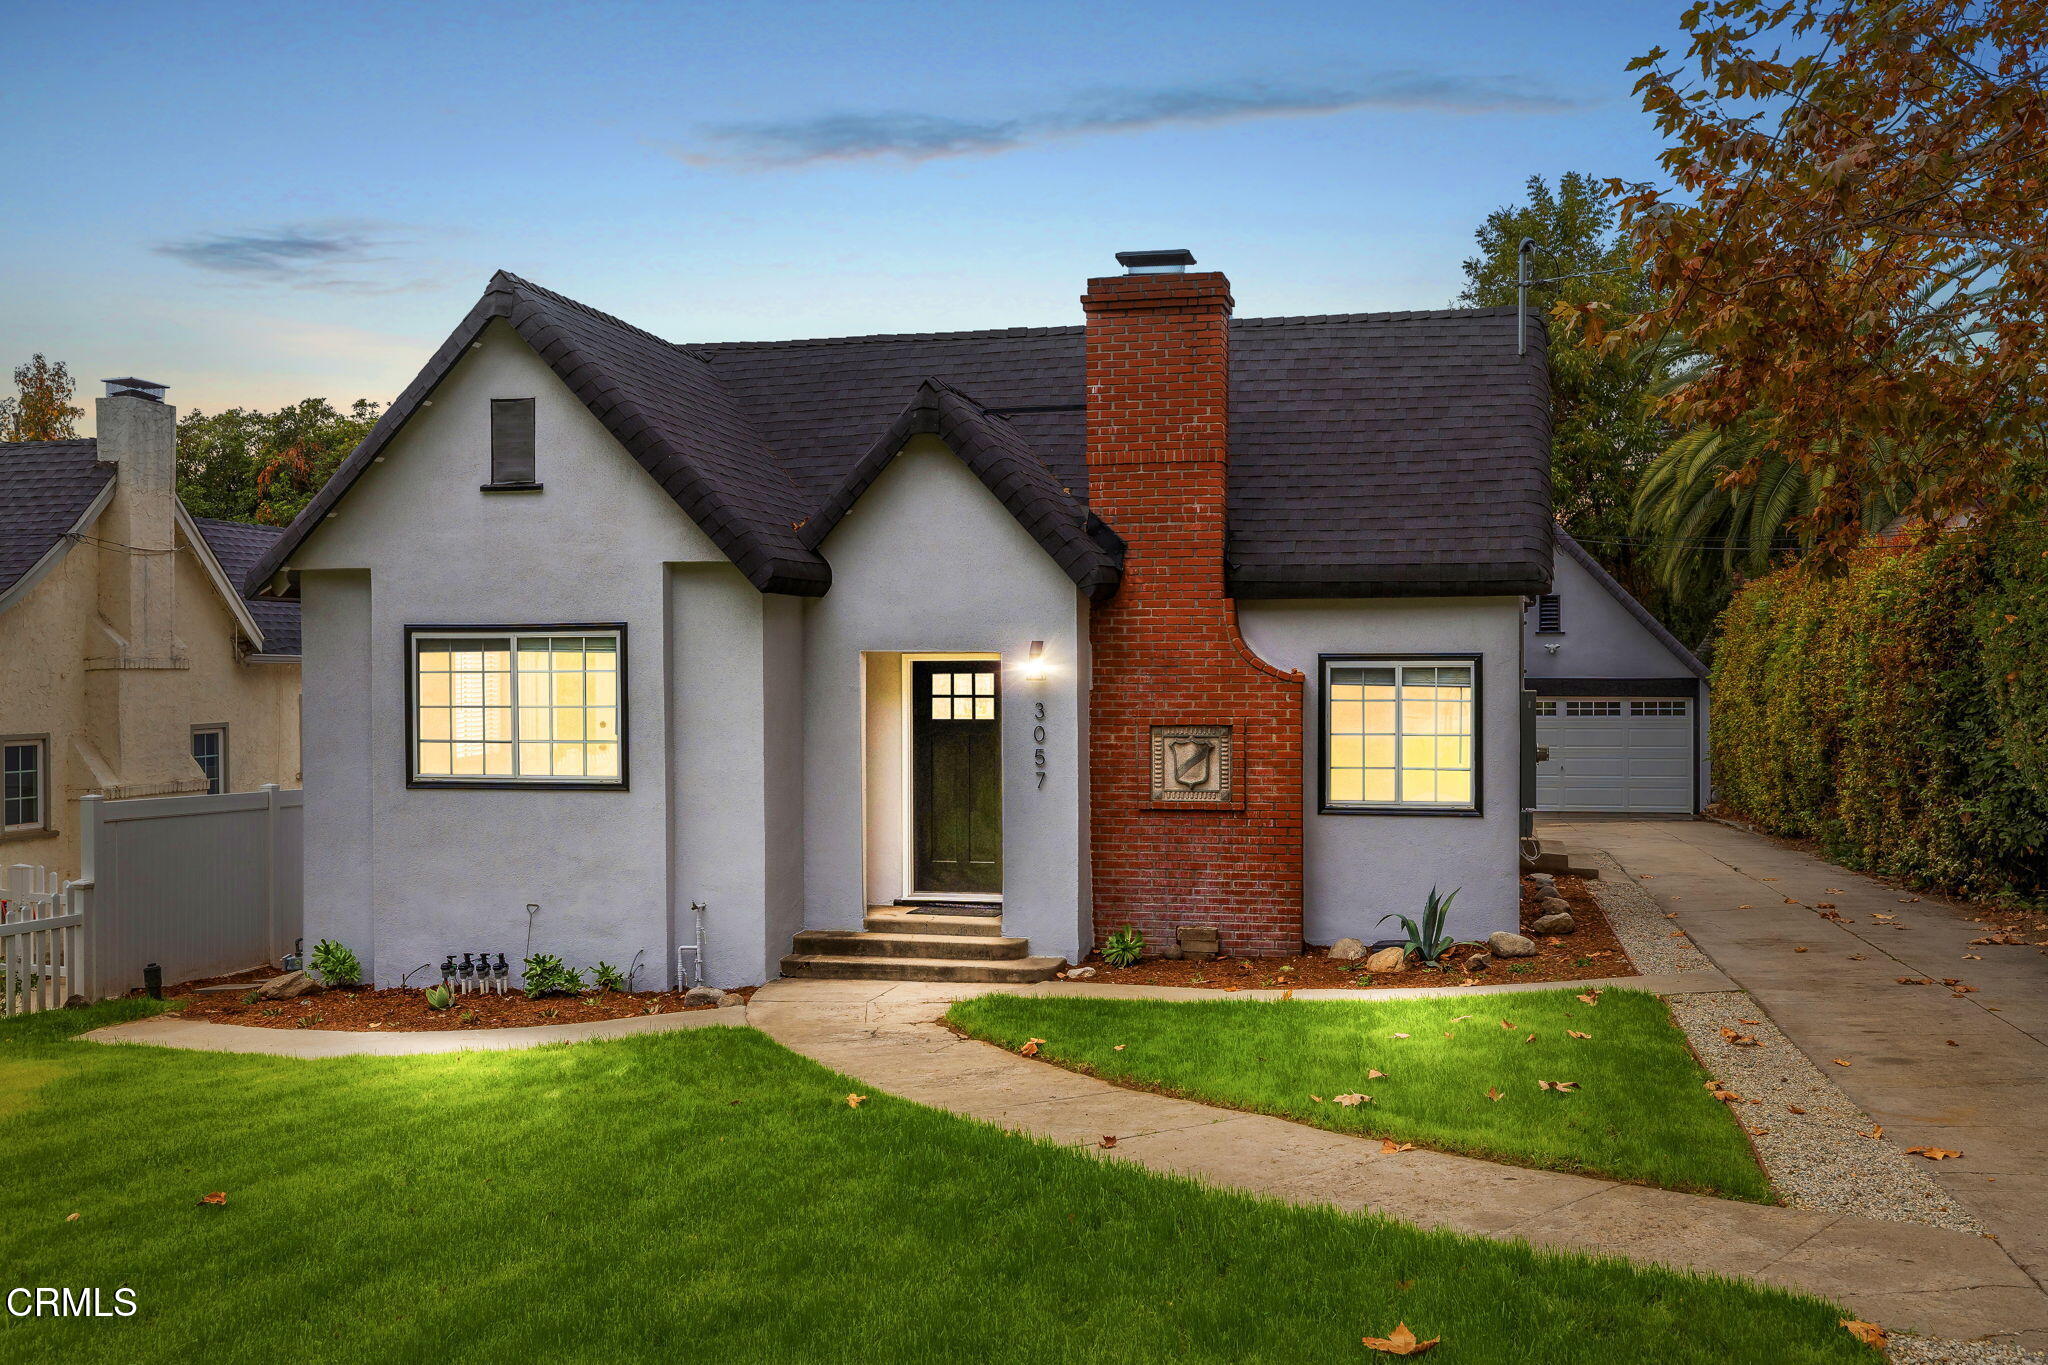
1627,754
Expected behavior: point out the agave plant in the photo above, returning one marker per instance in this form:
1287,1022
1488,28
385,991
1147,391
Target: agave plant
439,997
1427,940
1124,947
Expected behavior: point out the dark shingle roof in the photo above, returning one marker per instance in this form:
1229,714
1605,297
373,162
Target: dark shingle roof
1371,453
238,545
45,487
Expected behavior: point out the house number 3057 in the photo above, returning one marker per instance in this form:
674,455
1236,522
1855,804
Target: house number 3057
1038,740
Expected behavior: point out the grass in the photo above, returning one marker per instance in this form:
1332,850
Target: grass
1641,1112
710,1193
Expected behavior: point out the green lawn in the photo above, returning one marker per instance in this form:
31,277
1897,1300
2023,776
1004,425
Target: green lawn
707,1194
1640,1113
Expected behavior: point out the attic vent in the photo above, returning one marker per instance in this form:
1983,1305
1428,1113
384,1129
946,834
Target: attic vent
1549,615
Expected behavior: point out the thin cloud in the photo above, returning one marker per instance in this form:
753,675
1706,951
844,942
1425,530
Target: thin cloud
911,136
308,257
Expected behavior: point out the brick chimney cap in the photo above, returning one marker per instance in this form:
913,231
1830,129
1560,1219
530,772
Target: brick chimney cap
1156,262
136,388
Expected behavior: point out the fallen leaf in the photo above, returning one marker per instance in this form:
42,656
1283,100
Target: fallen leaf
1388,1147
1590,998
1758,1132
1840,1062
1459,1020
1373,1074
218,1198
1800,949
1876,1132
1401,1342
1739,1039
70,1217
1915,980
1953,1043
1506,1025
1530,1039
1030,1048
1108,1140
1492,1093
856,1101
1317,1098
1932,1153
1469,981
1562,1087
1824,905
1794,1109
1749,1021
1118,1048
1869,1333
1353,1101
1400,1035
1574,1033
1745,907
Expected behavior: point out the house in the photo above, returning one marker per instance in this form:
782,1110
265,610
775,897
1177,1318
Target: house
130,663
1166,619
1621,705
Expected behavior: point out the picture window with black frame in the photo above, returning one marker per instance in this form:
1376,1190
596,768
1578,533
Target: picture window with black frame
1399,735
539,707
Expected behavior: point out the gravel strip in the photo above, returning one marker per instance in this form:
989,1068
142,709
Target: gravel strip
1640,923
1819,1159
1907,1350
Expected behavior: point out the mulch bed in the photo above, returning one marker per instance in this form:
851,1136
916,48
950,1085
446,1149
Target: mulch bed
1591,951
358,1009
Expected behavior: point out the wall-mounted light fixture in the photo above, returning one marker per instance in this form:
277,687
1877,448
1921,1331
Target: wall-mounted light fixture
1034,664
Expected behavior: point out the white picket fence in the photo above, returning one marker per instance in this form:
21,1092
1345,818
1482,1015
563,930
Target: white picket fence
42,939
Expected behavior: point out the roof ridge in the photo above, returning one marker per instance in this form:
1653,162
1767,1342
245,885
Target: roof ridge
578,305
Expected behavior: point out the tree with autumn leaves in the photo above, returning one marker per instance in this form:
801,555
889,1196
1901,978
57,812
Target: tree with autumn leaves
41,408
1854,248
244,464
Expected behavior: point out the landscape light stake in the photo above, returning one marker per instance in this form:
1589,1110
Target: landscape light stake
448,972
466,976
501,976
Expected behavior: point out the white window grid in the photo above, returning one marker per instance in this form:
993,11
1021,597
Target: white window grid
23,783
1400,733
1546,708
517,706
1657,708
1592,708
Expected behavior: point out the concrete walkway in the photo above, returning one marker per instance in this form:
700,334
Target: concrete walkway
1932,1281
200,1035
1749,903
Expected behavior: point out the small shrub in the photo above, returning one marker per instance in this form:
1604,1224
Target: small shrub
606,977
335,965
1428,940
439,997
1124,947
547,974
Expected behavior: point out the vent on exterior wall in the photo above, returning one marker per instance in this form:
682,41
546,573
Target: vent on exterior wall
1549,615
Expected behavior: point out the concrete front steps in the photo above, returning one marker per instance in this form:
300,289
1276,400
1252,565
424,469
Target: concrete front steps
898,945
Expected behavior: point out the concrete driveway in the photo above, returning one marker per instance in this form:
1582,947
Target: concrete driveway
1937,1066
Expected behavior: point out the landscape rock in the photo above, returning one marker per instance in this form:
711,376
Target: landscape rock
290,986
1346,950
1388,960
1505,944
1554,905
703,995
1478,962
1558,922
727,1000
1080,973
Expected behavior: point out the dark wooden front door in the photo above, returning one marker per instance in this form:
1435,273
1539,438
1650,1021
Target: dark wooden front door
956,771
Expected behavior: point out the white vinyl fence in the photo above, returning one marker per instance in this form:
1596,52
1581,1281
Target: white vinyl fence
42,939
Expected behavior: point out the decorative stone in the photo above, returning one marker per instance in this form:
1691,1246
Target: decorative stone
1505,944
1558,923
290,986
727,1000
703,995
1080,973
1346,950
1388,960
1478,962
1554,905
77,1002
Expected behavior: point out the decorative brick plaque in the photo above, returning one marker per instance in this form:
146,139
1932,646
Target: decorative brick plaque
1192,764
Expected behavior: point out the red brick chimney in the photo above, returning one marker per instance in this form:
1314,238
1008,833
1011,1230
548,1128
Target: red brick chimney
1195,743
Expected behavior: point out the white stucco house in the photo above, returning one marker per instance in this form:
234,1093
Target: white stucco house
1621,705
922,655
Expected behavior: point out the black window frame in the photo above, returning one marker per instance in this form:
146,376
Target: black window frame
217,783
513,425
1549,614
41,745
415,782
1324,806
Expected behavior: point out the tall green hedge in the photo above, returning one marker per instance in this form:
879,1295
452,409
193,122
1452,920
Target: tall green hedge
1898,712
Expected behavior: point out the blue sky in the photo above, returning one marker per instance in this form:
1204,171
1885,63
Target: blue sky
258,203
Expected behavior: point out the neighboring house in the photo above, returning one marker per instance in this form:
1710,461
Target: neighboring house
130,664
1165,620
1621,704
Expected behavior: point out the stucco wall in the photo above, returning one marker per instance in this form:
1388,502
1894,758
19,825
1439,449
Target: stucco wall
930,562
1600,638
1361,866
454,869
108,726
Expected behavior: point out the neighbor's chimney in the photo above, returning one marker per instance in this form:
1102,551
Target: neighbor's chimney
1169,667
138,434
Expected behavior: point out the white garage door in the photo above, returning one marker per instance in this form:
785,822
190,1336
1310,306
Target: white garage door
1615,753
